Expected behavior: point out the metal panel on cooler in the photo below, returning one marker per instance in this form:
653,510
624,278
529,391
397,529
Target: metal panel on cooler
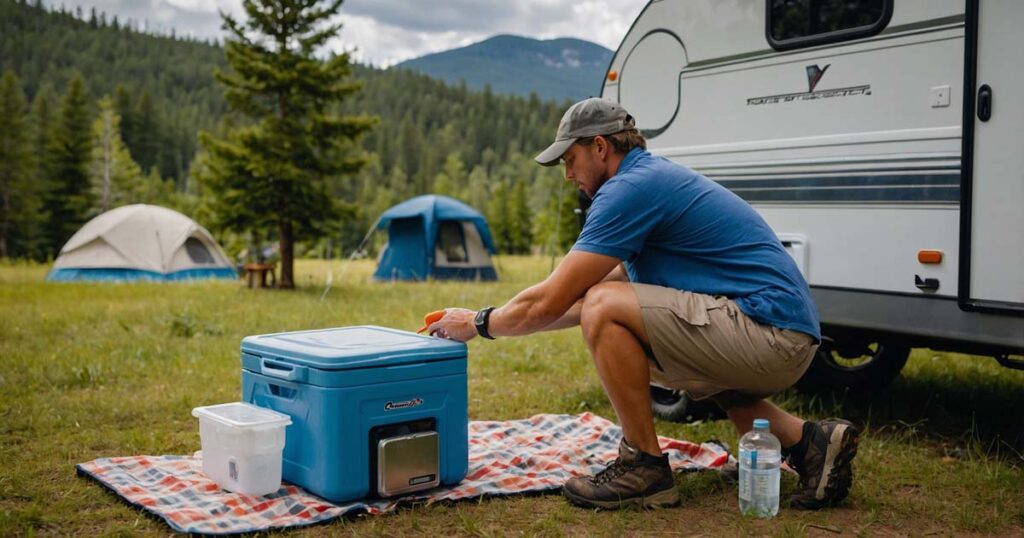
407,463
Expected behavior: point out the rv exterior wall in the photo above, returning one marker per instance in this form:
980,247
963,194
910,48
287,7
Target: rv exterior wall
843,144
863,166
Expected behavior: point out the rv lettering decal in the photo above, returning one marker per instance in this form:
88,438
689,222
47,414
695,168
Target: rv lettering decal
814,74
391,406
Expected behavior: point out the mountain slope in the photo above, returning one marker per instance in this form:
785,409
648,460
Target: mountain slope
555,69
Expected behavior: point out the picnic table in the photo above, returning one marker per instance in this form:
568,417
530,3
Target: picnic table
254,271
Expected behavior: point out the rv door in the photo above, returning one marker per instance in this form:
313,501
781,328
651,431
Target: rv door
992,188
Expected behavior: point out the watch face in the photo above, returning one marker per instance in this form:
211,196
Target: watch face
481,322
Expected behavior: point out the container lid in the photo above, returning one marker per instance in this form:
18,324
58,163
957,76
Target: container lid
760,424
345,348
242,416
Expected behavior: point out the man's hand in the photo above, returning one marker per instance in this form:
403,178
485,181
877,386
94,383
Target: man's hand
456,324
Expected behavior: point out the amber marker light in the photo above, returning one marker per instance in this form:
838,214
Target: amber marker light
613,75
929,256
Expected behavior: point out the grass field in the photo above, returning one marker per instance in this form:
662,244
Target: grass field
89,370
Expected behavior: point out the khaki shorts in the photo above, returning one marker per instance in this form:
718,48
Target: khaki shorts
708,347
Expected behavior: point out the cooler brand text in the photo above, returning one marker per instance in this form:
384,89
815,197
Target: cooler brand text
390,406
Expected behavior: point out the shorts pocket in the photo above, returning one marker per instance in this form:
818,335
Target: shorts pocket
790,343
693,308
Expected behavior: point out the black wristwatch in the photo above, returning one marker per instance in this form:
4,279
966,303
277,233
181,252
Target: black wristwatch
483,317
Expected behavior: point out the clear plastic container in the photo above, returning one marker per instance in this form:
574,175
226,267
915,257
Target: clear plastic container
760,462
242,446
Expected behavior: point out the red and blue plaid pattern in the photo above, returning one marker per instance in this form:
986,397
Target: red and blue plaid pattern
505,457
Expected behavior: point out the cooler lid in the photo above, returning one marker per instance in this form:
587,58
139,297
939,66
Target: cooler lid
241,415
345,348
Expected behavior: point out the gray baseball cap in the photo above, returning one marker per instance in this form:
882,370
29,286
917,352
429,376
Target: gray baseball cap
589,117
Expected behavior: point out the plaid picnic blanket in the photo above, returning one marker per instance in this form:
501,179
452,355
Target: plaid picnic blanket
505,457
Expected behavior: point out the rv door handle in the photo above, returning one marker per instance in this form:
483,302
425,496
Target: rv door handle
984,102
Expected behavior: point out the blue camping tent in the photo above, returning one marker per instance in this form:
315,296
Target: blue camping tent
438,237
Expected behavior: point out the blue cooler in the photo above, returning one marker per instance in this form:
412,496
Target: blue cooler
375,411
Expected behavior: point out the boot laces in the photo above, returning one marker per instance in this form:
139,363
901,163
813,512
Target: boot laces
614,470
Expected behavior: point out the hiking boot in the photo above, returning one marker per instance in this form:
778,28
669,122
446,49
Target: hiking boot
825,469
635,478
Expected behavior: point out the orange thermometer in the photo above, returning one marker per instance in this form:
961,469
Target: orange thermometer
430,319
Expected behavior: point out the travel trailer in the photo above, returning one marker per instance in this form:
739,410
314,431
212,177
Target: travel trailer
881,140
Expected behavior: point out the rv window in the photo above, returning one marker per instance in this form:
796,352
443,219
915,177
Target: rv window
197,251
452,241
803,23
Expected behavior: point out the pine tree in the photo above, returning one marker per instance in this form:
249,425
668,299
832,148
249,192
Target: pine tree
15,162
519,219
478,188
451,180
276,172
410,151
568,227
556,226
444,185
498,217
146,128
36,243
156,190
70,197
116,179
455,170
398,183
124,106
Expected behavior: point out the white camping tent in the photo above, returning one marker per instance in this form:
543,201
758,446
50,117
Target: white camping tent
141,242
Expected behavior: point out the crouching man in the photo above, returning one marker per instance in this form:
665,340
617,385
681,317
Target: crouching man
677,280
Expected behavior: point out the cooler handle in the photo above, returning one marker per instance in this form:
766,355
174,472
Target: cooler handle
279,370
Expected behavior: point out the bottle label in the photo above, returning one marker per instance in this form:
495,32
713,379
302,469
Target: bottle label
761,484
745,483
745,488
764,484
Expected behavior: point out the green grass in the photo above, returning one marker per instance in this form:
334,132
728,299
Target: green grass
91,370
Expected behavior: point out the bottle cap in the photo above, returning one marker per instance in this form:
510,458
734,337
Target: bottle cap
760,424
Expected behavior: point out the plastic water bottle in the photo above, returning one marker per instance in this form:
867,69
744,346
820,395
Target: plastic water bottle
760,459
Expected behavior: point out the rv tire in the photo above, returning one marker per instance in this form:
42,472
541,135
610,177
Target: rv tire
834,369
676,406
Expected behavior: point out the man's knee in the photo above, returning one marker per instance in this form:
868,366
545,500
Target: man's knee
599,306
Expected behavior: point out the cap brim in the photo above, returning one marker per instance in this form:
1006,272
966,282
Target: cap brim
551,156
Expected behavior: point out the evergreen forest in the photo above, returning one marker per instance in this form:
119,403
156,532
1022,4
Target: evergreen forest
95,113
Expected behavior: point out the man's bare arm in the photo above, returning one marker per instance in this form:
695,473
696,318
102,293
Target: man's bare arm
572,317
558,299
541,305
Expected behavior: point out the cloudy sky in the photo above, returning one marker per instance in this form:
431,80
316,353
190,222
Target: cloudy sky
384,32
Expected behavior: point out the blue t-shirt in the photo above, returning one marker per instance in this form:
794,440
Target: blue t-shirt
676,228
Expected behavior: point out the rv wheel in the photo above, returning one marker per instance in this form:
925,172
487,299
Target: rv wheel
854,366
674,405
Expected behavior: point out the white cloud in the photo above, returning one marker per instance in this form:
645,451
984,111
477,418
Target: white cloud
384,32
380,44
195,5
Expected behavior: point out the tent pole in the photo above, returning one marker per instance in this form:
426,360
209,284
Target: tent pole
346,263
